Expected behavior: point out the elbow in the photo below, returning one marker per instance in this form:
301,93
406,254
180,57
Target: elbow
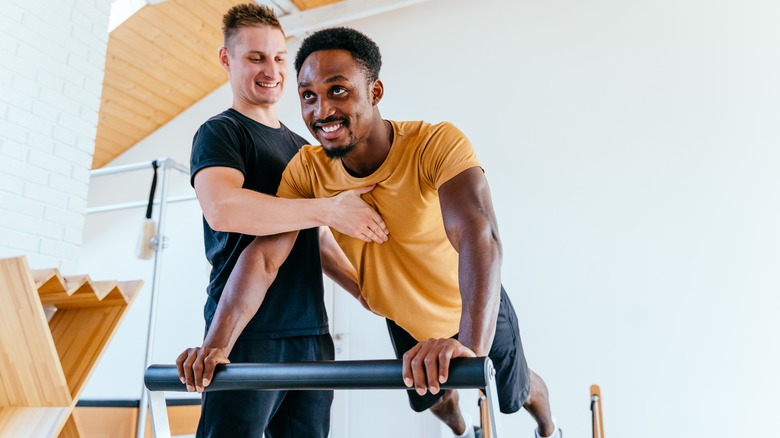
219,218
492,240
486,242
483,238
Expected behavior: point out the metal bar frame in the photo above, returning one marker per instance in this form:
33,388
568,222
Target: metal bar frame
158,243
138,204
331,375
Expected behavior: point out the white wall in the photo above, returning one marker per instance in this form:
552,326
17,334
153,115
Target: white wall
51,69
632,153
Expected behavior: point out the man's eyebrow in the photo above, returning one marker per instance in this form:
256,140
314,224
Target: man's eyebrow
260,52
336,78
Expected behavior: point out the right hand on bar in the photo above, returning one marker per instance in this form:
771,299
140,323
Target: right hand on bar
427,365
196,366
351,215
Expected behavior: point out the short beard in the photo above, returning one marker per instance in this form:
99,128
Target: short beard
339,151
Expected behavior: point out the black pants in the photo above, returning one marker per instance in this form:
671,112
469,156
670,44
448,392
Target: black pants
513,379
278,414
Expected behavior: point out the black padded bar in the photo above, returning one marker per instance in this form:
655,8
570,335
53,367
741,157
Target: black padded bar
359,374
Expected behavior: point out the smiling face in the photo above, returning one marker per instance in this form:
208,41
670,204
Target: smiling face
256,62
338,104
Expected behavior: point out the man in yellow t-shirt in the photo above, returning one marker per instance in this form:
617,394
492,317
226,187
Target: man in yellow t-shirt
437,279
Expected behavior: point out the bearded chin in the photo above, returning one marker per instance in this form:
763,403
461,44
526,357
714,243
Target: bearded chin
338,151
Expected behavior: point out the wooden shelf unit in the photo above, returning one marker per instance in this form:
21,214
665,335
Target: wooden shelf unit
53,331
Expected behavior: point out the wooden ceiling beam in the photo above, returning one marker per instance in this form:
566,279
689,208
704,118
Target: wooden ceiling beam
338,13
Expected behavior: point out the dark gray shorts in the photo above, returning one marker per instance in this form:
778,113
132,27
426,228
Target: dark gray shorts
512,374
278,414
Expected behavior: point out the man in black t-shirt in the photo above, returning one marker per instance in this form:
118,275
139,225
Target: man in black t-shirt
237,161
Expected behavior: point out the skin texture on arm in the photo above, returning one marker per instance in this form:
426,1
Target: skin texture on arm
227,206
244,292
337,266
470,222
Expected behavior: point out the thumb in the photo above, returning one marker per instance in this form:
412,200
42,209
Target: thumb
363,190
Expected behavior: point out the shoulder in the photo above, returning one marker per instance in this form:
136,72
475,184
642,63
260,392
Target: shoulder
425,130
223,124
294,135
229,117
308,156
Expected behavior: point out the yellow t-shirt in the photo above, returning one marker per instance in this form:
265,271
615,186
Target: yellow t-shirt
413,277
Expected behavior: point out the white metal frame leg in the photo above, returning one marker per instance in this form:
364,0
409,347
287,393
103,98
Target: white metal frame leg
159,413
491,394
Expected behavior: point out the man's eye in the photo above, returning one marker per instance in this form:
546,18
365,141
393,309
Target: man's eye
338,90
307,95
255,59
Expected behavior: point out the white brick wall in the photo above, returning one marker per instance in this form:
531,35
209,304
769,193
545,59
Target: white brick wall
52,55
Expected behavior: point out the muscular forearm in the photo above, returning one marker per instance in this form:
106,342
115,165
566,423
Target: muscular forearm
479,275
232,316
253,213
470,222
336,265
229,207
246,288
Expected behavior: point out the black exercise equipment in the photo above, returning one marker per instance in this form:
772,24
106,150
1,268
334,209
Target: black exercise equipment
363,374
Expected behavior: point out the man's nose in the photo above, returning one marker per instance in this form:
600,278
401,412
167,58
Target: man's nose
271,70
323,109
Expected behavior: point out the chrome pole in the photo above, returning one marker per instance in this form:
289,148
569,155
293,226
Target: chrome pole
158,241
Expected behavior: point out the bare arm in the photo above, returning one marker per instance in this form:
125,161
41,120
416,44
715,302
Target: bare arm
337,266
242,296
472,228
227,206
470,222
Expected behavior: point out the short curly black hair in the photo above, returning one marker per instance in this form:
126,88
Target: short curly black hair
363,49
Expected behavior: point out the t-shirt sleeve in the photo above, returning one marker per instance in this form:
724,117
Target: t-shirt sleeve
448,153
216,143
296,179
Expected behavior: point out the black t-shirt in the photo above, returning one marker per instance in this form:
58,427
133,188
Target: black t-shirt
294,304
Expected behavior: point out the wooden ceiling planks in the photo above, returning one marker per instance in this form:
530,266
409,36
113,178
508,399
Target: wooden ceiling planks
311,4
159,62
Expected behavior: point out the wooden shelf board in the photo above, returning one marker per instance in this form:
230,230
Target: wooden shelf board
31,373
32,422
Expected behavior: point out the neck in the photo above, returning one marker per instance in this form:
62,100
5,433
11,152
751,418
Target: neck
265,115
370,153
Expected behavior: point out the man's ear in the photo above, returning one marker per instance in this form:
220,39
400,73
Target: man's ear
224,58
377,91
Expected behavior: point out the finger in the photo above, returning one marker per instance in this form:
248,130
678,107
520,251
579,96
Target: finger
406,368
180,365
375,236
212,360
366,189
431,362
197,371
445,356
192,353
379,223
418,369
455,349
